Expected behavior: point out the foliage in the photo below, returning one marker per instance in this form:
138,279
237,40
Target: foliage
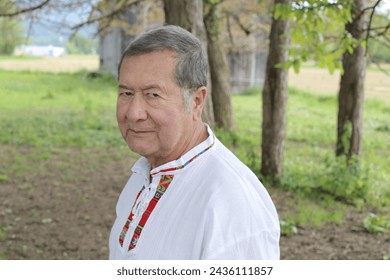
378,48
288,228
376,224
349,182
12,33
212,16
379,52
78,110
318,33
244,146
313,211
80,44
310,166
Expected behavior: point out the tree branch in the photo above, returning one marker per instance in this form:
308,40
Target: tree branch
369,8
381,33
109,16
26,10
381,68
370,23
241,25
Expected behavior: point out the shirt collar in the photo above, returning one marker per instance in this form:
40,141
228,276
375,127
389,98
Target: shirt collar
143,165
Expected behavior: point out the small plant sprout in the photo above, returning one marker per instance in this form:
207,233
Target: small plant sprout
376,224
288,228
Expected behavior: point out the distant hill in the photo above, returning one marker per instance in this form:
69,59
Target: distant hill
42,32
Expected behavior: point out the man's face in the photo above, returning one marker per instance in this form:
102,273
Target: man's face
151,111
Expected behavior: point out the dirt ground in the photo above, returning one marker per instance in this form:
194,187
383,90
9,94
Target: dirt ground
63,208
63,205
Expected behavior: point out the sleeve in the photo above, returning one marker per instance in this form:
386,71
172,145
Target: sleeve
258,246
242,223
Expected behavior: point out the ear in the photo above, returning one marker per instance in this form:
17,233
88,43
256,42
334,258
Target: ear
198,102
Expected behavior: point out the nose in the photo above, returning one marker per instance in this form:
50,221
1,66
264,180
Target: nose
137,109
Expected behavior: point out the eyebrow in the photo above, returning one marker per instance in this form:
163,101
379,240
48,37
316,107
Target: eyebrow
122,86
149,86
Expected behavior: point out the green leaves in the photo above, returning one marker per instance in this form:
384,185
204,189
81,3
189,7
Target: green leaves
347,181
318,32
376,224
288,228
282,11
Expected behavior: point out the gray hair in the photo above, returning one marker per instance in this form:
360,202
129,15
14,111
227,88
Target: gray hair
191,60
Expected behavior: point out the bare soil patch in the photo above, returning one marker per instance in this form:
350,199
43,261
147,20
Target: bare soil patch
65,206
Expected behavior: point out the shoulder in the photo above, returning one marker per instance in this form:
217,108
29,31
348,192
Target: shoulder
230,183
222,166
240,212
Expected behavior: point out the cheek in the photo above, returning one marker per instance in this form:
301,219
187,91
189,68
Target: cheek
120,111
176,124
121,119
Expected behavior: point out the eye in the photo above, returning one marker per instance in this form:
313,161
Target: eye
127,93
153,94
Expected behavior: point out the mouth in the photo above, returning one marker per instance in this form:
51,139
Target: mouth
137,132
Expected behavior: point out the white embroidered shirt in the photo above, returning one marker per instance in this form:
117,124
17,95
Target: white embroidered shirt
205,205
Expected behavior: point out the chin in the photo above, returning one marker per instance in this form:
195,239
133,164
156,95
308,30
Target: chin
141,150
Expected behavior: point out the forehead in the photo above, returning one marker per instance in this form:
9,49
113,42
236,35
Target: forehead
162,59
157,67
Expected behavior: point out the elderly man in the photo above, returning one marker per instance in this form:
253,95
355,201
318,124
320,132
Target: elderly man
188,196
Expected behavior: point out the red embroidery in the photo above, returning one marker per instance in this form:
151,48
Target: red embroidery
185,164
129,219
163,185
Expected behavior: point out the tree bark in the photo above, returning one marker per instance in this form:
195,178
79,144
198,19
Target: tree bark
275,93
219,71
189,15
351,92
113,40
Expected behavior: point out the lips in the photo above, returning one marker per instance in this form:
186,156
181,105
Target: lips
137,132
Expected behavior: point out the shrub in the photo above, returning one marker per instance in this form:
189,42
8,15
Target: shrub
376,224
346,180
287,228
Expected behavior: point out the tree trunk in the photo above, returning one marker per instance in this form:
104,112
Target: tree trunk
351,92
275,92
189,15
113,40
219,71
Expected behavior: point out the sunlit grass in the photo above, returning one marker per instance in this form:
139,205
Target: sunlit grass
309,159
59,111
49,110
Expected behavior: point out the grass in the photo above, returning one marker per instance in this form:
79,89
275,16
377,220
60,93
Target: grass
21,57
40,109
44,115
310,140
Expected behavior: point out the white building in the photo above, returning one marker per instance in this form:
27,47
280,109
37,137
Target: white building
40,50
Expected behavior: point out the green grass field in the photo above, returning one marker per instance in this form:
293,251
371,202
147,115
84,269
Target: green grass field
49,111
